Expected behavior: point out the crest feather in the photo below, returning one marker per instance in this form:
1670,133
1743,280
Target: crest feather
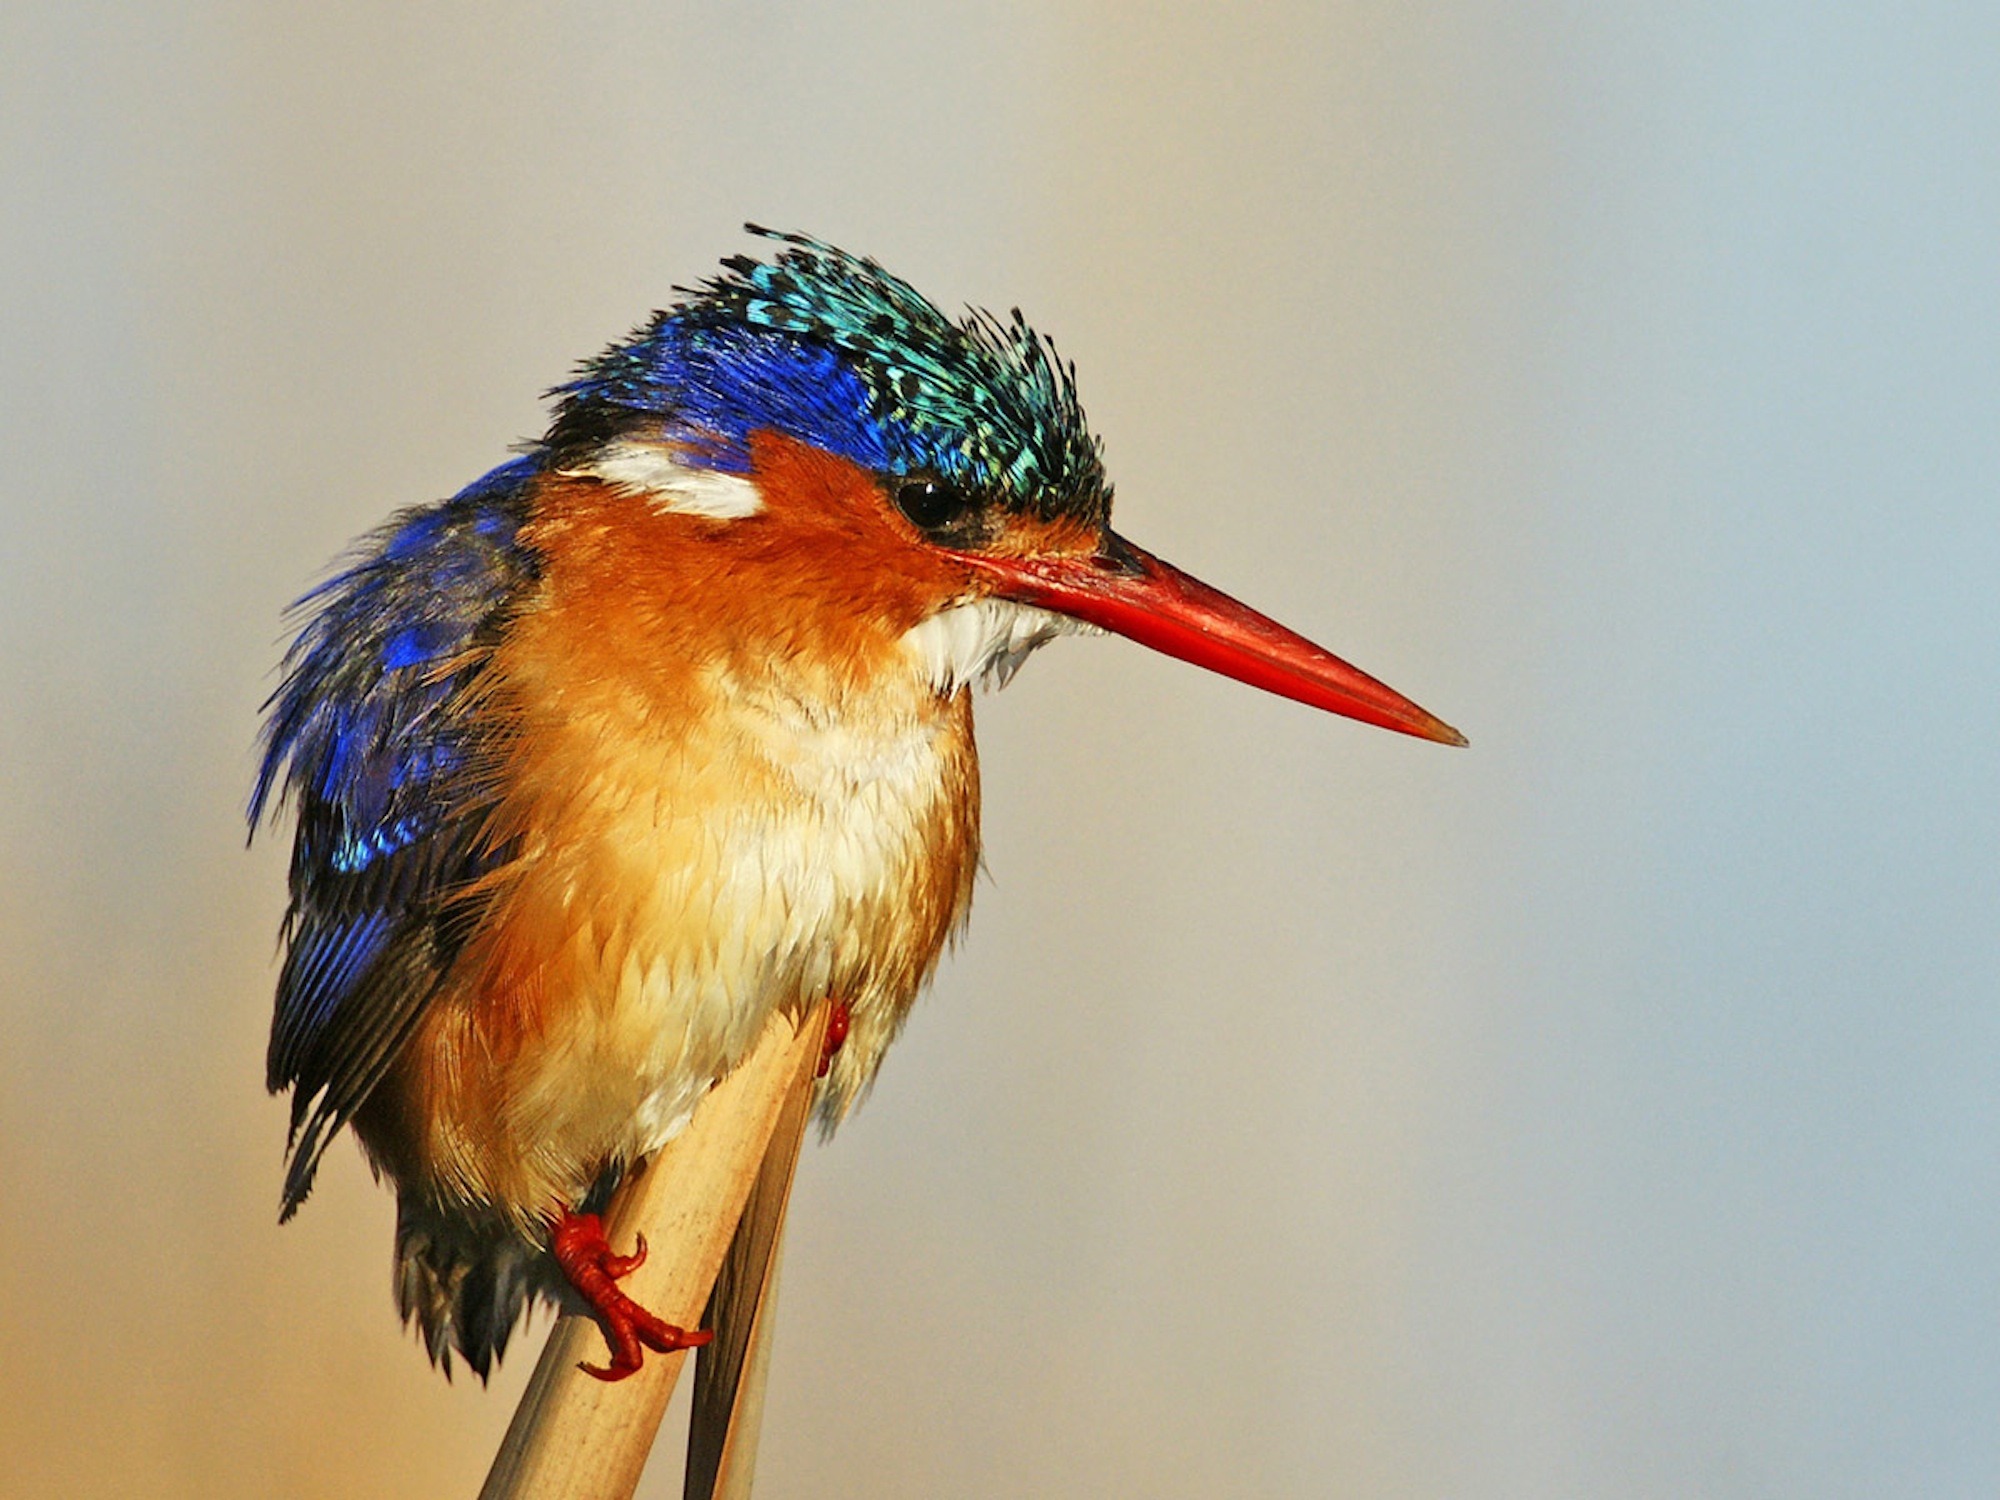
830,348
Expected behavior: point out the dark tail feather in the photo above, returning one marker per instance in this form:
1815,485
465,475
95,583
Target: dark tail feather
465,1283
306,1148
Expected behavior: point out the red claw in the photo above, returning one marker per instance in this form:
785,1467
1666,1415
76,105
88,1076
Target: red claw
837,1021
585,1256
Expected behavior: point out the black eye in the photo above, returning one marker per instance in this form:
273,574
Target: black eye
931,504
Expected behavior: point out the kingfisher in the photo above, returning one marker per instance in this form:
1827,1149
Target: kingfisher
663,727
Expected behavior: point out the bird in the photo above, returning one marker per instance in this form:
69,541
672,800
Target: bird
664,727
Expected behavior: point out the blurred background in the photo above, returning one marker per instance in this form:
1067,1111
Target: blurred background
1607,1110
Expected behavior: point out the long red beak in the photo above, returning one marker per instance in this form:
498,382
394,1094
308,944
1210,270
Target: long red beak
1127,590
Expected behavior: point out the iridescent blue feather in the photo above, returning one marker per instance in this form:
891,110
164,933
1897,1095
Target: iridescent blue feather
831,349
379,736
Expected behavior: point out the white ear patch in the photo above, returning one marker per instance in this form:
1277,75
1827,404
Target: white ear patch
656,473
984,642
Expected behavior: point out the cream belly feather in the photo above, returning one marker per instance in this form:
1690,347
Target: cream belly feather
791,844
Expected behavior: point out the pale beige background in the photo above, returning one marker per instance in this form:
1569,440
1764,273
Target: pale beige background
1608,1110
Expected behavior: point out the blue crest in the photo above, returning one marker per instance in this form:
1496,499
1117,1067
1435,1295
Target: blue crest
829,348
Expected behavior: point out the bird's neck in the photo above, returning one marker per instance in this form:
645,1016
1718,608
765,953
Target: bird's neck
730,641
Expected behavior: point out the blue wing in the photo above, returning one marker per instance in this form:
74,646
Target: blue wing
380,737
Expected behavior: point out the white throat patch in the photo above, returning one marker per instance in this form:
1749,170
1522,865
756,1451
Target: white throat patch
657,473
985,641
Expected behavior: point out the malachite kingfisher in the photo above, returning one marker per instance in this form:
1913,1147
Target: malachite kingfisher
665,725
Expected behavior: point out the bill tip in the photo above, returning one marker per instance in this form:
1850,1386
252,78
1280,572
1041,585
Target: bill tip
1438,732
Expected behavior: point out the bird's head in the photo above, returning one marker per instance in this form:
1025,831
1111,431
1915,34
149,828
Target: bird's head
938,474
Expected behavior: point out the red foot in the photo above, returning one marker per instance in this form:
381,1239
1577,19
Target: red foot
836,1033
578,1243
